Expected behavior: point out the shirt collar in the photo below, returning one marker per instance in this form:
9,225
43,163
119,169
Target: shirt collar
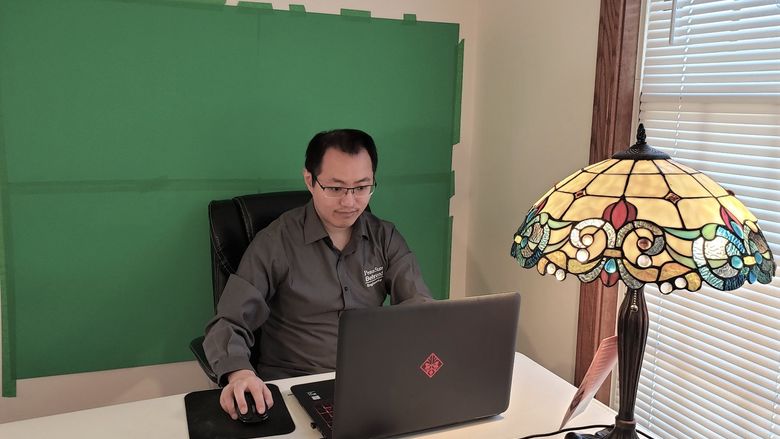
360,226
313,230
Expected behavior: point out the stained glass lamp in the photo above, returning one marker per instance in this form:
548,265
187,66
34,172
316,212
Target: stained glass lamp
642,218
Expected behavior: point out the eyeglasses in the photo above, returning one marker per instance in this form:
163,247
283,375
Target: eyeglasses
338,191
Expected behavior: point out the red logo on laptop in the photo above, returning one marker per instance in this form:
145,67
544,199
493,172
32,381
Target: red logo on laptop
431,365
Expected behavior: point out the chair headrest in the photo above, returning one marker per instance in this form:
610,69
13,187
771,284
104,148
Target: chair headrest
234,223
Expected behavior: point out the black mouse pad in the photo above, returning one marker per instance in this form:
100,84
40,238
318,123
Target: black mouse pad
207,420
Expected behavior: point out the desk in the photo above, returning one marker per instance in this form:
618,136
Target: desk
539,400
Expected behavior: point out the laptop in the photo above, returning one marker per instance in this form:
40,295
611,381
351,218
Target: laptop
411,367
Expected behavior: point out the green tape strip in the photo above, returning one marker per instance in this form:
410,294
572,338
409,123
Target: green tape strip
452,184
355,13
448,241
9,369
255,5
297,8
9,366
196,4
410,18
201,2
458,94
203,184
448,259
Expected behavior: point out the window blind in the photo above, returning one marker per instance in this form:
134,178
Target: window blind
710,98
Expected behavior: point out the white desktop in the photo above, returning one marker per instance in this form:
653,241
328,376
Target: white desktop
538,402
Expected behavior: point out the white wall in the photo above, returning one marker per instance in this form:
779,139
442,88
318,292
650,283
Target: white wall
527,95
536,64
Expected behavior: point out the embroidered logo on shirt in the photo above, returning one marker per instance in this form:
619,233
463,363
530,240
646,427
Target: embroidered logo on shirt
374,276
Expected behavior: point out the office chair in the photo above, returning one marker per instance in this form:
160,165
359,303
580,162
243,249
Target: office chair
233,224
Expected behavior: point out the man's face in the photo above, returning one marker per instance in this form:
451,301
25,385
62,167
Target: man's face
340,169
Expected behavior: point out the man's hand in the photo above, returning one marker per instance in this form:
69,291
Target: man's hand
239,382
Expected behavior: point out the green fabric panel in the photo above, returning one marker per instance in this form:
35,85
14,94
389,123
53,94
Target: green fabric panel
118,289
427,197
115,145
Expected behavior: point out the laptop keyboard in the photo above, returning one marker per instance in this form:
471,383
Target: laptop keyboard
325,410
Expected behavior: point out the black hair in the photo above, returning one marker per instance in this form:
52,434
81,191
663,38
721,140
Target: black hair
350,141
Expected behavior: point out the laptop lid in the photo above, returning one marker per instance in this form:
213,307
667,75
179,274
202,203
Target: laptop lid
413,367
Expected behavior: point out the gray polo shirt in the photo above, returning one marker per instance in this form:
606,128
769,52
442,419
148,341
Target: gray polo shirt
294,283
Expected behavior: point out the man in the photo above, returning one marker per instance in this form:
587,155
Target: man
304,269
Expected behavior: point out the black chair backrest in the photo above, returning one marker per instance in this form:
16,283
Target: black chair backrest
234,223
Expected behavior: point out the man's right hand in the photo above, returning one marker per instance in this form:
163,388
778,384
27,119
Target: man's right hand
242,381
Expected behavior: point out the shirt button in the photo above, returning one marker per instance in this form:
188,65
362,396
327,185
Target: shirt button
346,289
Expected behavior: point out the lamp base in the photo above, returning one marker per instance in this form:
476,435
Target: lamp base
598,435
623,430
632,335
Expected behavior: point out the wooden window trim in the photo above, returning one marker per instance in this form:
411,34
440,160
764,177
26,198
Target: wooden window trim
616,60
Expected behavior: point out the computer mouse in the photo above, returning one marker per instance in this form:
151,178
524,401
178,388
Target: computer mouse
251,416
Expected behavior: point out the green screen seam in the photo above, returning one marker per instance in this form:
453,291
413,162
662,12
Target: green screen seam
204,184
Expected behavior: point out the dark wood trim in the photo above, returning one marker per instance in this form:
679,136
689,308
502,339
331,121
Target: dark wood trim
613,100
597,314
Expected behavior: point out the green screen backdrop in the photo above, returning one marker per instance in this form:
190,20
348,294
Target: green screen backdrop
121,120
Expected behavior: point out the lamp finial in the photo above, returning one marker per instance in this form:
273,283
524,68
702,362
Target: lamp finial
641,150
641,137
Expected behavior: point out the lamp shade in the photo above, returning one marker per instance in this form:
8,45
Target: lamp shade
643,218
